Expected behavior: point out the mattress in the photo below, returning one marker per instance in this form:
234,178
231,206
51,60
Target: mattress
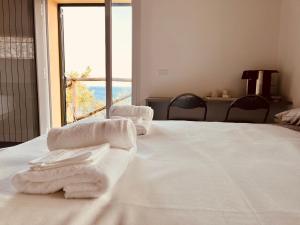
183,173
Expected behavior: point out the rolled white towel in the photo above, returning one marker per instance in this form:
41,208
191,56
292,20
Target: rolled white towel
141,116
144,112
142,126
77,181
120,133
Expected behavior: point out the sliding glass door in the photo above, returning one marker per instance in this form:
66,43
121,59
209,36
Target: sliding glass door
121,53
90,49
84,72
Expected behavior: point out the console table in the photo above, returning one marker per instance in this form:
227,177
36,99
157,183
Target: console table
216,108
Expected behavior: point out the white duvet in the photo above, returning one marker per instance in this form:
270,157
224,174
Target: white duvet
184,173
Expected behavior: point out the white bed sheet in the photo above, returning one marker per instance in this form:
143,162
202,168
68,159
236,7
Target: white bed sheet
184,173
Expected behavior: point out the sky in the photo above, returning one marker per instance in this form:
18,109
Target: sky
84,40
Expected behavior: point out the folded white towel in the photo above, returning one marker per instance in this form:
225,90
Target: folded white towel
65,157
77,181
142,126
119,133
144,112
141,116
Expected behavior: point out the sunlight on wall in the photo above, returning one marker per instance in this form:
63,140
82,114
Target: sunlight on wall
54,64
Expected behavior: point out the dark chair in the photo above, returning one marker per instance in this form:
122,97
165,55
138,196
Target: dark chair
187,101
250,102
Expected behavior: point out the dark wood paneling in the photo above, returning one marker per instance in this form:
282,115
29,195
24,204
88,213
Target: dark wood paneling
18,76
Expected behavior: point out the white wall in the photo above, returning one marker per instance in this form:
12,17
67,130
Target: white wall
204,44
42,66
289,50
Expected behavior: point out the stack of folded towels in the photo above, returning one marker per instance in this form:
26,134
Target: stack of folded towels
141,116
84,160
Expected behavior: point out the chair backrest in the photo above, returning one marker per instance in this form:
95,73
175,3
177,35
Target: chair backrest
187,101
250,102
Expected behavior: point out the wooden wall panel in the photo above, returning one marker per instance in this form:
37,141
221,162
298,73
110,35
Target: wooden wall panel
18,78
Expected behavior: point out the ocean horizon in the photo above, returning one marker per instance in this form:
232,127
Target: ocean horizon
117,92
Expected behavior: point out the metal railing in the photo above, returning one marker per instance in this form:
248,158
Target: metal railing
72,84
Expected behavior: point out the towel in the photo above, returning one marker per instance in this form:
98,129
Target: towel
142,126
65,157
141,116
144,112
77,181
120,133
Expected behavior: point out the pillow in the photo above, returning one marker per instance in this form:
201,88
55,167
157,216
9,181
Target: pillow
289,126
291,117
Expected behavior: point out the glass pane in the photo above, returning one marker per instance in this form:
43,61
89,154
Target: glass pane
84,50
122,53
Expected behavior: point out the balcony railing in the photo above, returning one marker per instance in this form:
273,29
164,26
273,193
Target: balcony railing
72,84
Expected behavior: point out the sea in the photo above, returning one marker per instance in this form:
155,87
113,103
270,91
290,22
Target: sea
117,92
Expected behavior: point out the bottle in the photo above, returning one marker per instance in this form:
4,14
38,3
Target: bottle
259,83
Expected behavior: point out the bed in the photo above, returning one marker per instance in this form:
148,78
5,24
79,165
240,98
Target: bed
184,173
